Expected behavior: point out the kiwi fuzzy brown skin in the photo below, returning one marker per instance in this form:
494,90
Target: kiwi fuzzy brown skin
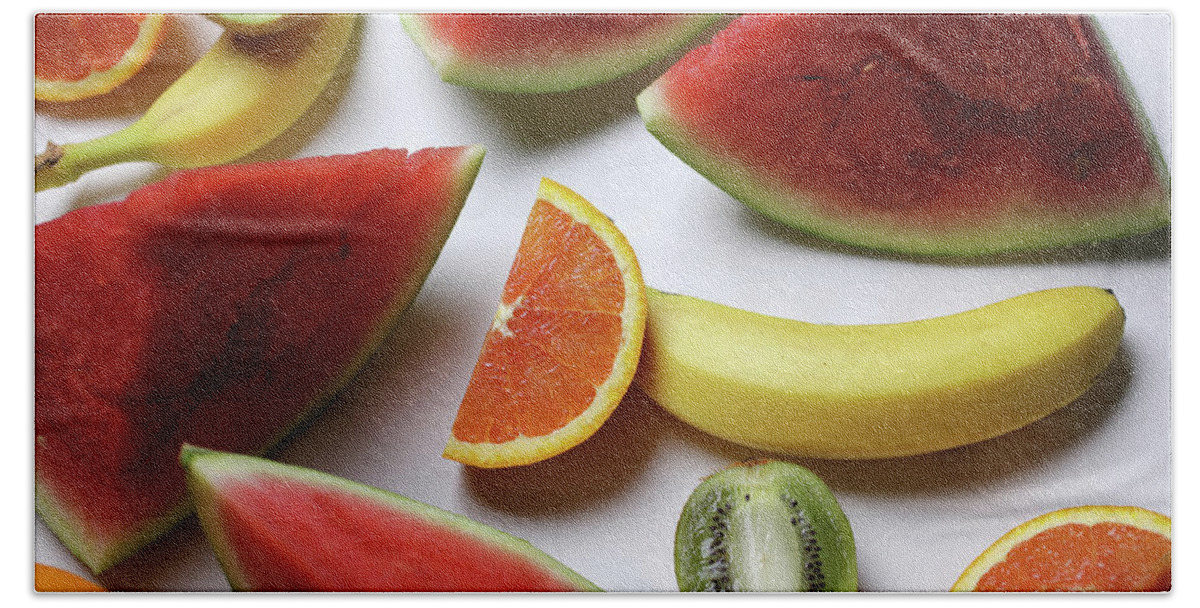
764,525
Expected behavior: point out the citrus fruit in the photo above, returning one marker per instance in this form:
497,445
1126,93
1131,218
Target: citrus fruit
1093,548
564,343
49,578
81,55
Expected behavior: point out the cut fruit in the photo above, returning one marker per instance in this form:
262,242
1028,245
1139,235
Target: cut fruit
49,578
276,527
542,53
948,134
1078,549
218,307
77,56
764,526
564,343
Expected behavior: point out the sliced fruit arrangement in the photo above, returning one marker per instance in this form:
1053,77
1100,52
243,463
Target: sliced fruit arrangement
276,527
1091,548
218,307
542,53
224,107
766,526
51,579
564,343
876,391
82,55
948,134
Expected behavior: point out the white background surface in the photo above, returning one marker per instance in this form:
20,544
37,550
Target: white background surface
608,508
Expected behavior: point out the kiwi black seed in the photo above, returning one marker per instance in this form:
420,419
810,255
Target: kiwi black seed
764,525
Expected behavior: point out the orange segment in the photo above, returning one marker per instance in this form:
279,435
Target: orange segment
82,55
1078,549
49,578
563,344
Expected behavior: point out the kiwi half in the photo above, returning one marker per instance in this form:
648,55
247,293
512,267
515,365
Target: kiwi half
764,525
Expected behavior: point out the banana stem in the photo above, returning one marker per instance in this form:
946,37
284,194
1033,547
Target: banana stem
61,165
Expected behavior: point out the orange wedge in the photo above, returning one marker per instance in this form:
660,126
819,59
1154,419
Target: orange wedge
81,55
49,578
563,346
1078,549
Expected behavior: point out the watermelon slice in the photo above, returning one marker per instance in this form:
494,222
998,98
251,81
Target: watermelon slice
276,527
218,307
932,134
542,53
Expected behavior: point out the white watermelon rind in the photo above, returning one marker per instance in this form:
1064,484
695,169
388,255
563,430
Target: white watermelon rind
207,469
881,232
72,532
574,72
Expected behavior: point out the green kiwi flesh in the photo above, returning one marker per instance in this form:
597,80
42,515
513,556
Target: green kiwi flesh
767,526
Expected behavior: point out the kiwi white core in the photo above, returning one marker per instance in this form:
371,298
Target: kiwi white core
764,549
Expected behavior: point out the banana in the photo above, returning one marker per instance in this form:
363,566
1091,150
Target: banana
240,95
259,24
875,391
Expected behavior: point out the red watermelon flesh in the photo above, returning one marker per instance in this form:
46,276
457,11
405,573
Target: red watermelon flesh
942,134
276,527
217,307
543,52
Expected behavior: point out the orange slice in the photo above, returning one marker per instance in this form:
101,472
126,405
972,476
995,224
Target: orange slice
1078,549
564,343
49,578
81,55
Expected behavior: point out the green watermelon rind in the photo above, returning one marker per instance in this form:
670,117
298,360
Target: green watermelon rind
205,468
606,65
65,526
804,212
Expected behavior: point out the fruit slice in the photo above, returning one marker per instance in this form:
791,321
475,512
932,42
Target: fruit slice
930,134
541,53
49,578
218,307
276,527
767,526
564,344
876,391
82,55
1078,549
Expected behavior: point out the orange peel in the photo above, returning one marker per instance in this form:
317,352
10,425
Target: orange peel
564,343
